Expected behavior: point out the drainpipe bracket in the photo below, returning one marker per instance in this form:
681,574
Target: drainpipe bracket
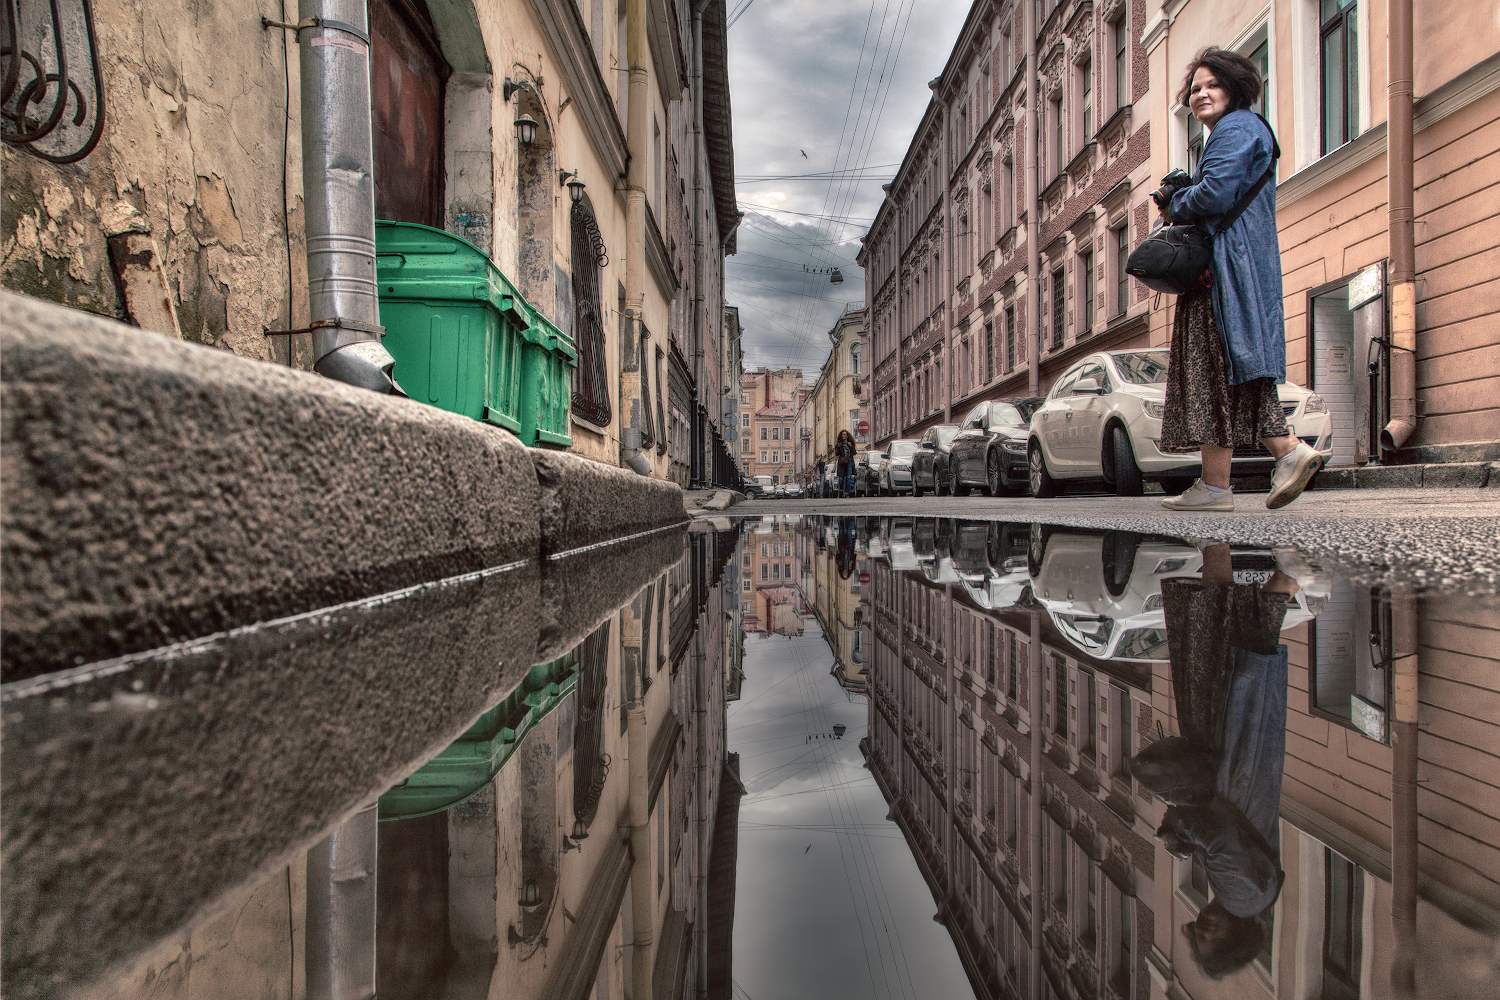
315,22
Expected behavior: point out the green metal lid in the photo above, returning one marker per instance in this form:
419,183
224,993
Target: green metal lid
469,763
419,262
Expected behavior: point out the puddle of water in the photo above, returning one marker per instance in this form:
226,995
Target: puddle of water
819,757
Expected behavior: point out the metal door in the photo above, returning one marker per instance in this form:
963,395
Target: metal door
407,77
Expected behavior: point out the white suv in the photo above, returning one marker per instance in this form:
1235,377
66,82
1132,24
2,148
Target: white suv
1102,421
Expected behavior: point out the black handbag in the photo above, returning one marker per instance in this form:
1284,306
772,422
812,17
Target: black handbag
1174,257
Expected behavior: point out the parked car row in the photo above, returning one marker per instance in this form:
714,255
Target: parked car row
1101,423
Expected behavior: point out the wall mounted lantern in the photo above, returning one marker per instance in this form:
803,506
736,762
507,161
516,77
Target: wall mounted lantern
526,130
575,190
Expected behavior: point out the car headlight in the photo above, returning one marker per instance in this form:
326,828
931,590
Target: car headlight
1015,445
1154,409
1315,404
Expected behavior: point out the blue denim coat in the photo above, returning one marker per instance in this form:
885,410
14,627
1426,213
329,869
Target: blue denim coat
1247,258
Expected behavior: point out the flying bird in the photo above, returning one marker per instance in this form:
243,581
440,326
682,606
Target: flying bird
809,847
803,152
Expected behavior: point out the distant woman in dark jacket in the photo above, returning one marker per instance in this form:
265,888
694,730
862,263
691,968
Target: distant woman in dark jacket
1228,337
843,451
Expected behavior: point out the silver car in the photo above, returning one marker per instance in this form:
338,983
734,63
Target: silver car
1102,421
895,471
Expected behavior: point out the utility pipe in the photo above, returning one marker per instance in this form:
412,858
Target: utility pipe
1033,211
1404,840
340,954
338,184
642,898
1401,207
632,350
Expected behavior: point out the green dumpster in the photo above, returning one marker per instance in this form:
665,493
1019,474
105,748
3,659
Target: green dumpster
547,362
473,760
455,325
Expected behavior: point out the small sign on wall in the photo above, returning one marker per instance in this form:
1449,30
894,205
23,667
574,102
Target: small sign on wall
1336,362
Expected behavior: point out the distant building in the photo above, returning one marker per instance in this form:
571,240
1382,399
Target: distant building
768,411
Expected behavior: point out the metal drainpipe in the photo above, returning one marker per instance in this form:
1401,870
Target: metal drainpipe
1033,212
641,895
636,115
1404,833
1403,265
338,183
340,958
705,817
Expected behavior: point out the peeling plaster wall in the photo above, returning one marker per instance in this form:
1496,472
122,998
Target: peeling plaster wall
189,173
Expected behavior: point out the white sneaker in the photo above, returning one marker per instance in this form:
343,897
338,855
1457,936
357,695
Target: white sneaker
1200,497
1293,472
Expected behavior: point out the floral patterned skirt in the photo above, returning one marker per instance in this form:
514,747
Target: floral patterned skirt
1201,406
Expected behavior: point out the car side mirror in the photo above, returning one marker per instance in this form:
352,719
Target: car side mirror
927,444
1087,387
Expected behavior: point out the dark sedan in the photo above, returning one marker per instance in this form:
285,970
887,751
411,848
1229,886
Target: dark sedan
989,450
929,468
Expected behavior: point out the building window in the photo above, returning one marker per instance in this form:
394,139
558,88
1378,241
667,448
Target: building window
1339,51
763,456
1007,195
1010,338
986,215
763,437
854,358
1086,291
989,352
1195,137
1261,57
1086,92
1122,278
1059,308
591,391
1059,697
1122,63
984,91
1343,926
1055,126
745,398
1090,721
1124,963
744,420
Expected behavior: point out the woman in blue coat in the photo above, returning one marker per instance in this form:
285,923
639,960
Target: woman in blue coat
1228,337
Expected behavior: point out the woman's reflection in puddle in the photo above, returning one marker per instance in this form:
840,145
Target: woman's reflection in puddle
1221,777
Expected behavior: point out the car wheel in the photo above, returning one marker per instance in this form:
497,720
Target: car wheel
1119,560
994,479
1042,483
1036,549
956,487
916,490
1174,485
1127,473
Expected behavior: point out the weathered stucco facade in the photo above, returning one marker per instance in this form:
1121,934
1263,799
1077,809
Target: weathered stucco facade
187,217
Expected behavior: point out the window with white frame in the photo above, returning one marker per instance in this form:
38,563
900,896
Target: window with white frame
1120,40
1338,58
1086,101
1086,289
1121,239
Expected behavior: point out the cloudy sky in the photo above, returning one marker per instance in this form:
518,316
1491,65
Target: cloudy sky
819,86
829,903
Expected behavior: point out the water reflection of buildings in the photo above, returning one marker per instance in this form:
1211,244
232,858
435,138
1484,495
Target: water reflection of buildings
1014,673
561,848
1001,750
770,602
831,568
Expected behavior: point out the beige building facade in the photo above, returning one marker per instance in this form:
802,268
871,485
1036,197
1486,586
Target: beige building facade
1326,67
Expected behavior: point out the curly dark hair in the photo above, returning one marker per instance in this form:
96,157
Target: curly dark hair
1236,74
